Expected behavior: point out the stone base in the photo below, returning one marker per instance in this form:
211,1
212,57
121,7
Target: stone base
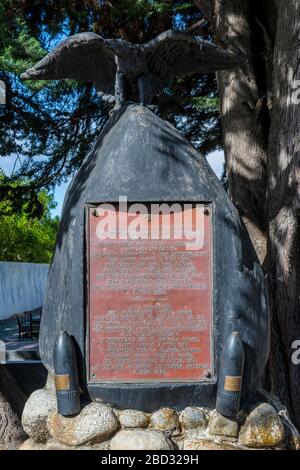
100,427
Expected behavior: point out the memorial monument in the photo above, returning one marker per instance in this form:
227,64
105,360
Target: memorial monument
154,279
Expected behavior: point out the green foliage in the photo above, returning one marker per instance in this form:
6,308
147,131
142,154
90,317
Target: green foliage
18,48
51,126
26,238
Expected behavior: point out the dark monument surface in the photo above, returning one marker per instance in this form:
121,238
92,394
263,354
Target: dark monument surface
146,159
150,322
149,304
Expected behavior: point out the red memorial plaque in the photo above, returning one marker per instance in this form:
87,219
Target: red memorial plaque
149,295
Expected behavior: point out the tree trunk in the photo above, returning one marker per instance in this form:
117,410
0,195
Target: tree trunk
12,401
244,96
261,125
283,207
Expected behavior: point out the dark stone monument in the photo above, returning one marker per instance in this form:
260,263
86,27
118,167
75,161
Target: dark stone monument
150,317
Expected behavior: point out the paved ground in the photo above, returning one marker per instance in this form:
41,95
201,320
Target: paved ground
15,351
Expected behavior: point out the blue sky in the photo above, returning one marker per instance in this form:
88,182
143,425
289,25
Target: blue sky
215,159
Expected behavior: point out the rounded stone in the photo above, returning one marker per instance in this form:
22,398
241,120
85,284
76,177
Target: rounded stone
164,419
133,419
12,434
38,407
206,444
263,428
30,444
50,383
105,445
220,425
142,439
95,423
53,445
193,417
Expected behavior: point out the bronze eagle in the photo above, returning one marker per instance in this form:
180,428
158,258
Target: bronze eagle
122,71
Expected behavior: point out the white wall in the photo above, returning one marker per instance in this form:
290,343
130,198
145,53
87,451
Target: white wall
22,287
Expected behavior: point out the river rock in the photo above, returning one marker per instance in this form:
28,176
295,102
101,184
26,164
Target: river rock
193,417
50,384
133,419
36,411
140,439
165,419
30,444
219,425
263,428
95,423
206,444
54,445
12,434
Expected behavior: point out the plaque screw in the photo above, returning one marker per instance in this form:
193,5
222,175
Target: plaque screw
206,211
207,374
95,212
94,376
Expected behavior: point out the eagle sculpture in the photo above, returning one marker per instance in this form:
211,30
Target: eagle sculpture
123,72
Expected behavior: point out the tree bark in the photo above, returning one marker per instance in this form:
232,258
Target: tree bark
12,401
244,111
261,125
283,208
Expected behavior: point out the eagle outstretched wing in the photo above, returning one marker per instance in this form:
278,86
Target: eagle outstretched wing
83,57
87,57
175,53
